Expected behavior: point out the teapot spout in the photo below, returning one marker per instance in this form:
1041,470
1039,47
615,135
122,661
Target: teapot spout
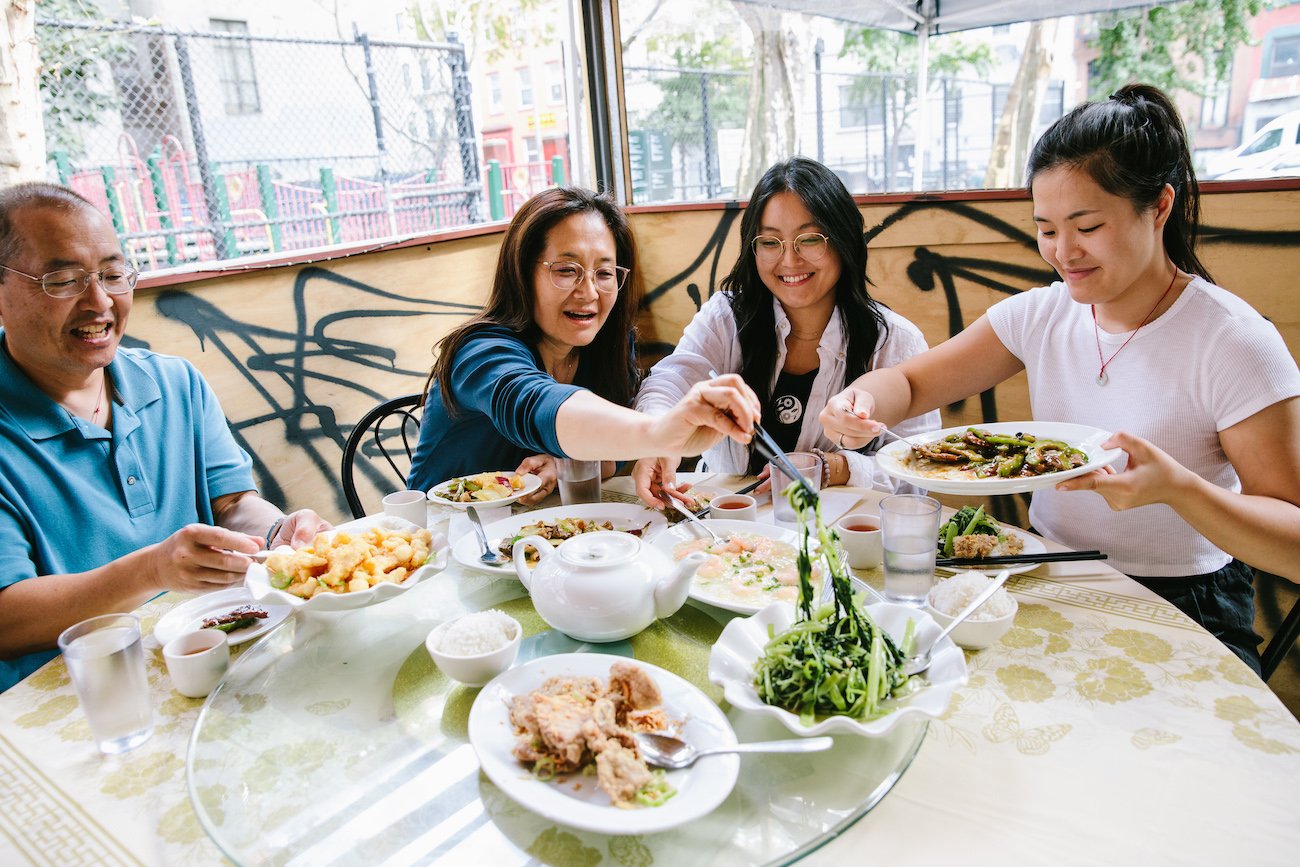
672,589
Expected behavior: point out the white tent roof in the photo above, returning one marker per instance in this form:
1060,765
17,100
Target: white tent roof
946,16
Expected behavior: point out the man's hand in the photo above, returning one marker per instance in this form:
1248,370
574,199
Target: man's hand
199,558
299,529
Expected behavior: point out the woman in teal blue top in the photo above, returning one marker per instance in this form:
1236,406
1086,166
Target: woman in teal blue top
547,370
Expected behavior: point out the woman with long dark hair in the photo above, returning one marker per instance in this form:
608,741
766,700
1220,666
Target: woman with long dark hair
547,369
1134,338
796,321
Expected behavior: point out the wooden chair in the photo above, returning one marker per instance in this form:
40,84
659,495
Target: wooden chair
387,423
1281,642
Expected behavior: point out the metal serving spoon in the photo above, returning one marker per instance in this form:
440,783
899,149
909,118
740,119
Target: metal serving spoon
919,662
665,751
489,556
677,504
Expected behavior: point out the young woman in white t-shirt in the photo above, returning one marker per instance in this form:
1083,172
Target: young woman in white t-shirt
1201,391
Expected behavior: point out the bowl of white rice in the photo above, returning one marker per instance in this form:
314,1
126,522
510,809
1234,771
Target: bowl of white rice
474,648
992,620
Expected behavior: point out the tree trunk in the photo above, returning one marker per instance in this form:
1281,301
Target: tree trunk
1024,102
770,128
22,131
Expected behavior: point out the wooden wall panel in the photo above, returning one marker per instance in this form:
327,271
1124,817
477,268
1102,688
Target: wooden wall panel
299,353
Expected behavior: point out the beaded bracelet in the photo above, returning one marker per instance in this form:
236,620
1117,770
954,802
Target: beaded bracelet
826,468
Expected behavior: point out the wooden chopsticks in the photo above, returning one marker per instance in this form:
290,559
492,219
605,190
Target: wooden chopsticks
1016,559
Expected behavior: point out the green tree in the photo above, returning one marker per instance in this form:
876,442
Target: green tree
894,59
720,65
76,89
1182,46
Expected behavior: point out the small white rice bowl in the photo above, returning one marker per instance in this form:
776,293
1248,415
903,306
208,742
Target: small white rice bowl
476,647
987,625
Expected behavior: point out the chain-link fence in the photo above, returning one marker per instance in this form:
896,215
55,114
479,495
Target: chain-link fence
224,144
687,130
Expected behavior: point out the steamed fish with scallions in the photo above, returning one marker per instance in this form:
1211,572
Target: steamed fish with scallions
982,454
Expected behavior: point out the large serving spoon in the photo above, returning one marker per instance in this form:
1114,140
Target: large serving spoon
919,662
665,751
489,556
677,504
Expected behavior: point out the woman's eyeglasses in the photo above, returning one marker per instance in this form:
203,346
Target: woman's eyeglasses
811,246
71,282
606,278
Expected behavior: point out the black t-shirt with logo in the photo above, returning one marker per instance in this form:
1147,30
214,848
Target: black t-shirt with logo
783,415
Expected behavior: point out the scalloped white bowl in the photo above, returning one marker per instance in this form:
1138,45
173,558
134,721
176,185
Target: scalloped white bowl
258,580
731,666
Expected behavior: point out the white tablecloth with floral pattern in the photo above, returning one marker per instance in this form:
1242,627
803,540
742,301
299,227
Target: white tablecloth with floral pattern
1106,727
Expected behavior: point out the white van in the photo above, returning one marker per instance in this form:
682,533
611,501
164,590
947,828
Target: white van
1273,152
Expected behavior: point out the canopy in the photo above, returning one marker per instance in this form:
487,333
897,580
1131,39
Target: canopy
946,16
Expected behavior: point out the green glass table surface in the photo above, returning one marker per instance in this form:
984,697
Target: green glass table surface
336,740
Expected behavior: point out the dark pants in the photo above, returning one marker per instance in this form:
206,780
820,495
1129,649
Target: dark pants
1223,602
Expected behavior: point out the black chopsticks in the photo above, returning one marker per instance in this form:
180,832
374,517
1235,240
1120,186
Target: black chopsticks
1016,559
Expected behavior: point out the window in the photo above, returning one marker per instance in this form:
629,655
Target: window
525,88
860,105
1214,106
555,77
235,68
1282,57
495,98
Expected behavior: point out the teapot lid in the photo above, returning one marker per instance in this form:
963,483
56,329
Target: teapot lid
605,548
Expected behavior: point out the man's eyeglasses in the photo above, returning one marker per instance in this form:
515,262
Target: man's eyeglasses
606,278
811,246
71,282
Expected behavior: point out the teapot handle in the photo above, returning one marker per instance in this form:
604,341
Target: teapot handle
519,554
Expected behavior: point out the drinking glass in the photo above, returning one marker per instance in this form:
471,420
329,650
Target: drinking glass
579,481
105,659
809,466
909,529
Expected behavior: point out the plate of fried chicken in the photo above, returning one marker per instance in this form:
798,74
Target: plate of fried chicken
557,736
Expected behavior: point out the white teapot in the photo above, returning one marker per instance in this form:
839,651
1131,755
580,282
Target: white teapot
603,586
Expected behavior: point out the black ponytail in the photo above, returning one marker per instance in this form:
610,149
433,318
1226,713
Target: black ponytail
1132,145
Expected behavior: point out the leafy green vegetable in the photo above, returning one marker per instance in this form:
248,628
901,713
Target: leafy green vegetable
967,521
835,659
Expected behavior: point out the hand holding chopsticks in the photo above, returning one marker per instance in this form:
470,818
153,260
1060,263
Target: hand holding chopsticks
768,448
1015,559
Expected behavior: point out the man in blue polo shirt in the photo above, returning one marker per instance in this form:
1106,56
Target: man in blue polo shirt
119,478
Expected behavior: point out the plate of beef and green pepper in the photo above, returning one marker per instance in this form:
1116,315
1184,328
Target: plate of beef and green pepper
998,458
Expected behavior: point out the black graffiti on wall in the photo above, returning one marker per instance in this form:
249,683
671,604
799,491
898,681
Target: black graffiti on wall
284,365
288,365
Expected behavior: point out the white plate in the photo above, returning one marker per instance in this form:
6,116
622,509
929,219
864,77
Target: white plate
1032,546
731,666
624,516
258,581
892,458
531,483
686,531
189,616
700,788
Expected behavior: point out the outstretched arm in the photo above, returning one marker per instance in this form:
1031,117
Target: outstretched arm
1259,526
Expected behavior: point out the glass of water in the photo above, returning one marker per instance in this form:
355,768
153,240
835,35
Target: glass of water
809,466
105,659
909,530
579,481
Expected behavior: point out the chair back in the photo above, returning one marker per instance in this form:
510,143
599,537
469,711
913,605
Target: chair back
389,431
